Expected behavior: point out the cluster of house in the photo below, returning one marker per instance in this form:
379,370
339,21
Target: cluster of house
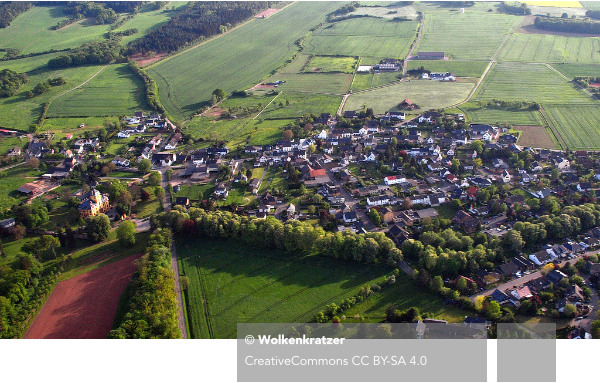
140,122
446,76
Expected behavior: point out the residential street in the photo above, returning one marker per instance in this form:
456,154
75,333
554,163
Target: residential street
526,278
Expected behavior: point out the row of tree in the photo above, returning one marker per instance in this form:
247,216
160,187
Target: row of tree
201,19
567,25
294,237
152,308
9,10
93,53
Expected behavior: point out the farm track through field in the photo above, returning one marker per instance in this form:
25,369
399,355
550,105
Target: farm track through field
414,45
78,86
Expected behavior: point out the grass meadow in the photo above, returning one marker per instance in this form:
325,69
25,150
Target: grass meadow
231,283
575,70
427,94
475,113
331,64
236,60
113,92
30,31
458,68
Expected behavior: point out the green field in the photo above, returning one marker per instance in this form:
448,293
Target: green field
550,49
29,32
236,131
7,143
529,82
364,81
193,191
113,92
474,35
392,40
474,113
18,112
458,68
240,284
331,64
427,94
236,60
577,126
70,125
575,70
301,104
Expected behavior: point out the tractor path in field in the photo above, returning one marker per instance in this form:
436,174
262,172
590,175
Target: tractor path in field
414,45
80,85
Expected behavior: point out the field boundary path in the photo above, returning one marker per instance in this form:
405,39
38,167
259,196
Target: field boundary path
78,86
414,44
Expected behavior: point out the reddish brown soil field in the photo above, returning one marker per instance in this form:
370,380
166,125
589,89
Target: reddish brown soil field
266,13
595,85
143,61
84,307
535,137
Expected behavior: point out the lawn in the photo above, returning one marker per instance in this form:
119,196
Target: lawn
236,60
475,113
7,143
542,48
458,68
577,126
295,104
10,181
364,81
473,35
193,191
113,92
273,180
30,31
366,36
331,64
529,82
425,93
231,283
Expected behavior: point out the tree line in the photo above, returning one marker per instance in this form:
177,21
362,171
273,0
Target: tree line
152,307
567,25
45,86
511,9
270,233
10,82
150,87
197,20
103,52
